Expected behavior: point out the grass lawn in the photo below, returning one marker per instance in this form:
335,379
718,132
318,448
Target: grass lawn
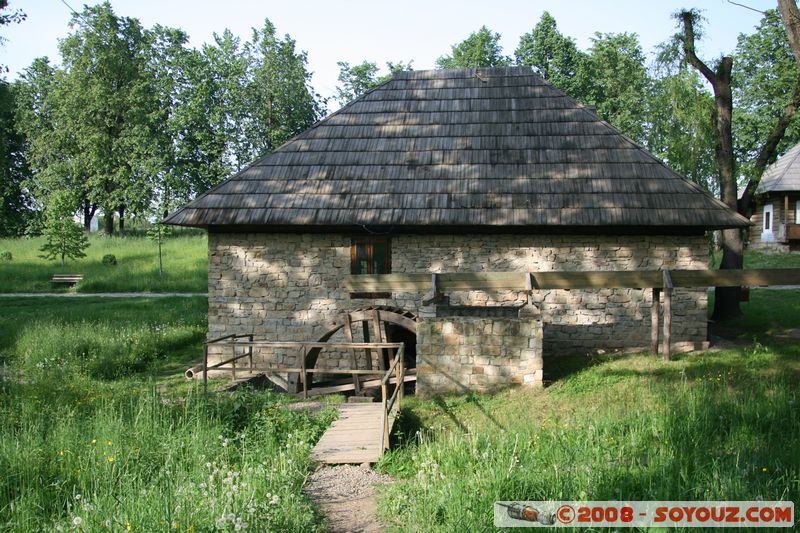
185,265
707,426
99,433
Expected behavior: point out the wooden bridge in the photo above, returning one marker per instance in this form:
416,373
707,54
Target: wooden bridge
361,432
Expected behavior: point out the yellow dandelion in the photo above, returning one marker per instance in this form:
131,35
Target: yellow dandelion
764,469
128,526
110,458
190,528
94,441
109,443
61,453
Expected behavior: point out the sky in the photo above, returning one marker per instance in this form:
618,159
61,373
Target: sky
381,31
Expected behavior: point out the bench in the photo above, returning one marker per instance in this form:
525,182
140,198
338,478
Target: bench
66,279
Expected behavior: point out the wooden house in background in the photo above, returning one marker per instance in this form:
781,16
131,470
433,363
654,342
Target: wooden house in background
468,170
776,222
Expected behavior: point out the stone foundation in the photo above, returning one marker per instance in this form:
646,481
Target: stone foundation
459,354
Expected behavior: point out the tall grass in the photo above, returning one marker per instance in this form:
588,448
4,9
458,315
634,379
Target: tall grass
127,460
185,265
716,427
96,436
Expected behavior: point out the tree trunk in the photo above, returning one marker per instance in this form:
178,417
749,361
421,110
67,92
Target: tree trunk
121,211
726,300
89,211
108,223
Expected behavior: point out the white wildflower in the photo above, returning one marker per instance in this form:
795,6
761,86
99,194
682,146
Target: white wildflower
77,521
274,500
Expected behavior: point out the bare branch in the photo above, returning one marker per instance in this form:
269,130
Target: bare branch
688,18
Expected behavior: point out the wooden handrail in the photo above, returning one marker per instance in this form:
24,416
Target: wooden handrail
390,404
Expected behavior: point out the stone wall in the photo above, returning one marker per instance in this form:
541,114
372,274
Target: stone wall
458,354
289,286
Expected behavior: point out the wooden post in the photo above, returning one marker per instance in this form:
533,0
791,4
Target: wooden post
304,376
654,309
205,368
785,210
399,374
348,333
233,357
367,351
667,313
384,419
380,337
250,353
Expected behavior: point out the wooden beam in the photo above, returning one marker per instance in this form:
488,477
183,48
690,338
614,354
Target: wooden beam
348,334
654,310
667,313
465,281
435,296
377,330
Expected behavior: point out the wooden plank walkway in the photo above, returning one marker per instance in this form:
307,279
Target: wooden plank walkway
354,438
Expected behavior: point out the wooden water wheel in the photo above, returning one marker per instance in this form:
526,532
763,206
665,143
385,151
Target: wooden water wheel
377,323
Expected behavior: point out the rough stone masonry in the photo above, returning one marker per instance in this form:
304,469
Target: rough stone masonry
289,287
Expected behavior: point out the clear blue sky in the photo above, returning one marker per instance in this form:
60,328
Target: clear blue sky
380,31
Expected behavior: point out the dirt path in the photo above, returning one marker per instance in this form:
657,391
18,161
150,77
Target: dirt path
345,495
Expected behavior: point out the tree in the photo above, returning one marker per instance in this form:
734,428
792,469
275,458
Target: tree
766,79
614,80
552,55
279,100
63,237
358,79
15,209
158,233
679,131
90,123
108,104
9,17
726,302
481,49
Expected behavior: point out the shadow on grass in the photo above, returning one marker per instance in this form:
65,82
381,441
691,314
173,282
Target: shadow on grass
560,367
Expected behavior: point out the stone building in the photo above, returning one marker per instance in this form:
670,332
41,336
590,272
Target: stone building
776,221
467,170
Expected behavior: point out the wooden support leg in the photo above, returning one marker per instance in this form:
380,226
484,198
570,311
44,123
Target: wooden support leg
380,336
667,322
667,313
654,309
367,351
348,333
304,375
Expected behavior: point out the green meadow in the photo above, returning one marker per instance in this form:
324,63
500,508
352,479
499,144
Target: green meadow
100,432
185,258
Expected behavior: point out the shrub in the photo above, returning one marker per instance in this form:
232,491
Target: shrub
5,255
110,260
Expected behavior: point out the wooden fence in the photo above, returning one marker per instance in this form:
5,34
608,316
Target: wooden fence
241,347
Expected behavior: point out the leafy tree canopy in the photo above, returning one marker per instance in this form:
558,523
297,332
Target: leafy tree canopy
481,49
552,55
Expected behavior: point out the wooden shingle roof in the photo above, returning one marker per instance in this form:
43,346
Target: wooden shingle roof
493,147
783,175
